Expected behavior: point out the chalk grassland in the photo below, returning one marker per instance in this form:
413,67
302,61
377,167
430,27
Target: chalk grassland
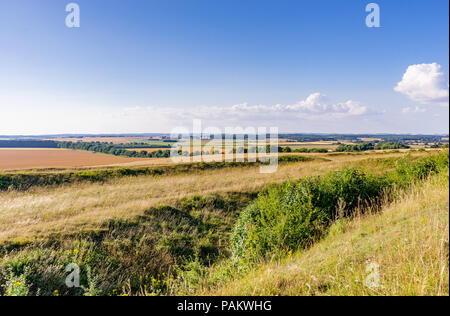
81,207
160,234
84,206
406,246
24,158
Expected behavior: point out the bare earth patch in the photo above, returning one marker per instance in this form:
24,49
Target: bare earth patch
11,159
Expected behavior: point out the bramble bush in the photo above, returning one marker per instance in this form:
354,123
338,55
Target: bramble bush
294,214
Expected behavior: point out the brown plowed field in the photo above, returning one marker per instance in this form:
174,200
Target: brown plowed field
24,158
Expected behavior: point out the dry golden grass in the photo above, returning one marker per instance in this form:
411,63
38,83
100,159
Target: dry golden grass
408,242
74,208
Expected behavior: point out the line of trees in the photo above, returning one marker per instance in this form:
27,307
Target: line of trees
119,150
370,146
142,145
28,144
279,149
358,138
111,149
255,149
391,145
304,150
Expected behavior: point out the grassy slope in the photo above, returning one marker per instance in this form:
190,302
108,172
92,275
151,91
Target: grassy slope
125,234
79,207
408,240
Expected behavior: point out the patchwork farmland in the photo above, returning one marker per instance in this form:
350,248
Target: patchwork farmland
147,216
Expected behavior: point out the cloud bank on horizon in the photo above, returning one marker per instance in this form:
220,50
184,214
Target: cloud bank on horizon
315,106
422,83
425,84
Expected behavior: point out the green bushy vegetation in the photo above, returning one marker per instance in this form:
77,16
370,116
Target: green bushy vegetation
288,149
310,150
394,138
16,285
355,147
25,181
126,150
256,149
407,239
370,146
149,144
282,159
133,255
111,149
278,149
172,249
28,144
390,145
295,214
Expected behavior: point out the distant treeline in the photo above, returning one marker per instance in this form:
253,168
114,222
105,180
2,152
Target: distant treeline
28,144
119,150
142,145
255,149
370,146
111,149
357,138
304,150
279,149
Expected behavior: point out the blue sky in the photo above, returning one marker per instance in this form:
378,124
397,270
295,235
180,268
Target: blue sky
151,65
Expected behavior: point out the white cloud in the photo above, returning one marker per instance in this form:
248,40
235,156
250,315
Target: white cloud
416,109
425,83
315,103
314,107
316,113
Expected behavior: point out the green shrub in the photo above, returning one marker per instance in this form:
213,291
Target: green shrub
16,285
292,215
310,150
355,147
135,252
407,172
343,191
281,219
390,145
44,269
